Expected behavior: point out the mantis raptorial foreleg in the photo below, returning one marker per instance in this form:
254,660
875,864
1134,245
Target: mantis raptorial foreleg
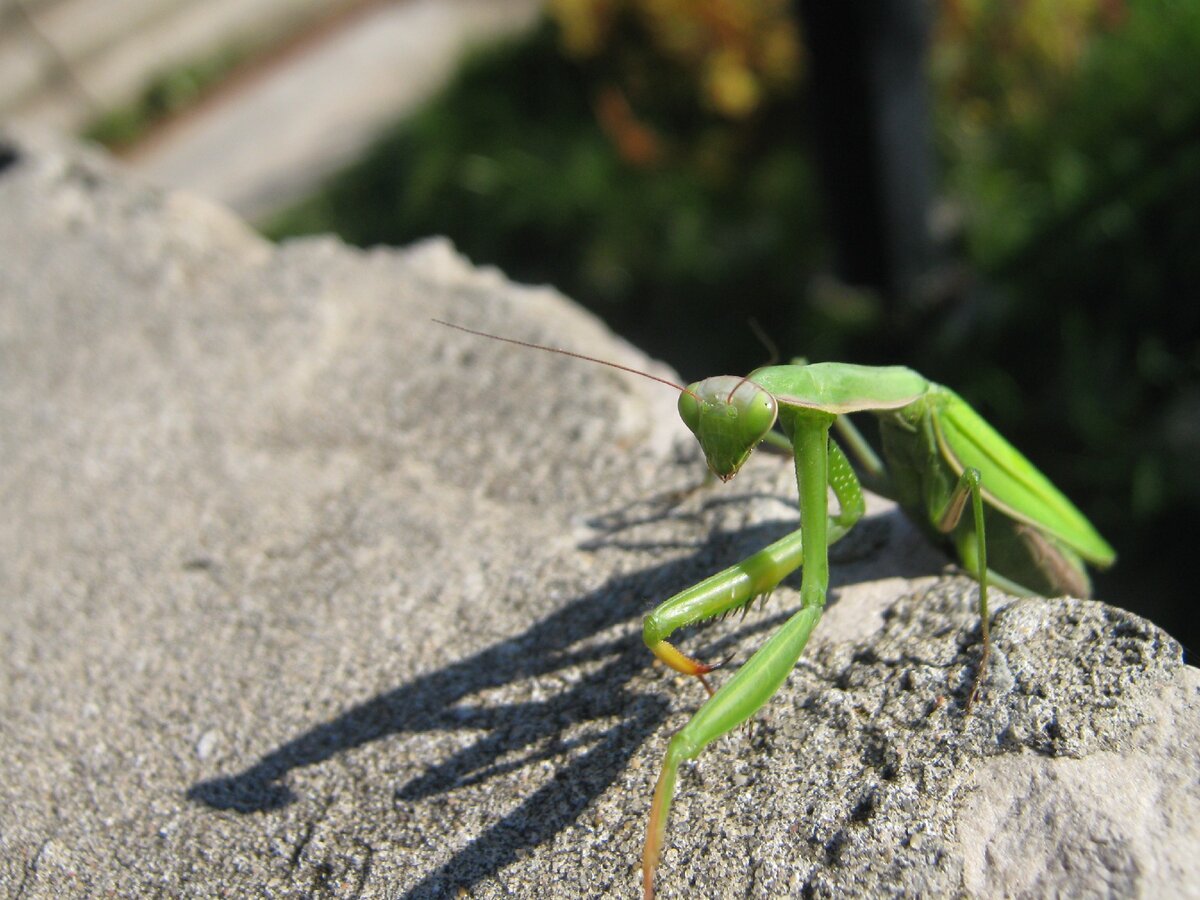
753,577
871,470
820,465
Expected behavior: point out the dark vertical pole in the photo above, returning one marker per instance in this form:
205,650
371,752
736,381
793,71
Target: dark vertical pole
872,121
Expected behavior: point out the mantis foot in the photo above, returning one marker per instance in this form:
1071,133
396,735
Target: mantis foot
980,674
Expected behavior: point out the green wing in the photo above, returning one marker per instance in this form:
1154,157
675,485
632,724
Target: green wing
1010,481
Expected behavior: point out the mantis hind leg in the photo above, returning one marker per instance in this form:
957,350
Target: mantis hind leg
973,554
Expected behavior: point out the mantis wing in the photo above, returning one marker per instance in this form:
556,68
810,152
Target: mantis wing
1010,481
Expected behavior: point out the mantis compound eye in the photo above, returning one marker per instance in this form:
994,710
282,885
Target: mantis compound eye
689,408
757,410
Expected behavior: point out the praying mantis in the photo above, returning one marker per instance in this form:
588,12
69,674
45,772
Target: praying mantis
1022,533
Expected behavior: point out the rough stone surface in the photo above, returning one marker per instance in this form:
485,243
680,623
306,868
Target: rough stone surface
304,595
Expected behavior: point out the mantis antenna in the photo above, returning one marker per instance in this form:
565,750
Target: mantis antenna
592,359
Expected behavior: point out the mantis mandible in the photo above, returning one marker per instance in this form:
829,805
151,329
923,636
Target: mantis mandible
1022,533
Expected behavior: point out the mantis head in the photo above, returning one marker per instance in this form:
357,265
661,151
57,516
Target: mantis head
729,417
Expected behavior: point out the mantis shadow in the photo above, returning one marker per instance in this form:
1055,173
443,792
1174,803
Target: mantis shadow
514,735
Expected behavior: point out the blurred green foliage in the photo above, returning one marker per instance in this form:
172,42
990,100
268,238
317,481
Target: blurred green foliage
1068,306
736,54
524,162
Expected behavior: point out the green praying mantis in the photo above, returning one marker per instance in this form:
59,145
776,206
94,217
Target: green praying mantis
1022,534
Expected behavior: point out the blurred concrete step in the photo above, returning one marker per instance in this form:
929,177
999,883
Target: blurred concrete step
274,132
